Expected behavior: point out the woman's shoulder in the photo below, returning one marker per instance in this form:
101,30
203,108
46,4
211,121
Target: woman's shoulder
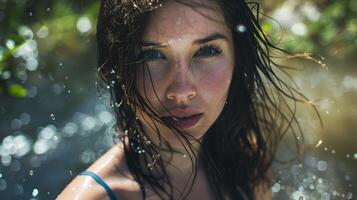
112,169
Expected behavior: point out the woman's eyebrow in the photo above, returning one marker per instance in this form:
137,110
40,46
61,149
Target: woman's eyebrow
214,36
153,44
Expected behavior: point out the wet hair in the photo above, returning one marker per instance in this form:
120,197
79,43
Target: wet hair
238,149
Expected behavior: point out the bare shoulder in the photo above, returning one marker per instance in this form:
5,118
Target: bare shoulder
111,167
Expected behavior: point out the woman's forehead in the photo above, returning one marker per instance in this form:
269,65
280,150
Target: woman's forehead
176,21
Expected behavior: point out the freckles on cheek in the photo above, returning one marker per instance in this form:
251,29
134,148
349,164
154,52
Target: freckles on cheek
215,81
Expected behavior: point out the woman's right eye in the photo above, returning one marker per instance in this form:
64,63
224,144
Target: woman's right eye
152,54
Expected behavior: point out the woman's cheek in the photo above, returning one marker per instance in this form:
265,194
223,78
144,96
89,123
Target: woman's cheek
215,76
151,79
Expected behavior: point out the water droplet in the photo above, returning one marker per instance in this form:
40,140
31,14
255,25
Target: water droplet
31,172
70,172
30,14
321,165
53,116
347,155
69,91
241,28
35,192
84,24
318,143
333,151
48,9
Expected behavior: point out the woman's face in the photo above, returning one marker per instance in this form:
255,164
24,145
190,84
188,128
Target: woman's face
189,55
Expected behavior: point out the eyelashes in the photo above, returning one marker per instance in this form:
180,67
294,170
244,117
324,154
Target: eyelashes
206,51
152,54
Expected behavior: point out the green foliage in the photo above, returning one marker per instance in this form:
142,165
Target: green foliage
16,90
333,33
58,18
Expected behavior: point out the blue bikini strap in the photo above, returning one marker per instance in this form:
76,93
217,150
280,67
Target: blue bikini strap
101,182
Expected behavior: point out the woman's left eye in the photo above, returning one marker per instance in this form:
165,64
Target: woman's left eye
208,51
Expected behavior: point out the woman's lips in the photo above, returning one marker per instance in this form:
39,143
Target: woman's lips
184,123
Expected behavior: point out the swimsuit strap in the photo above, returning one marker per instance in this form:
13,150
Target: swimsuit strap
101,182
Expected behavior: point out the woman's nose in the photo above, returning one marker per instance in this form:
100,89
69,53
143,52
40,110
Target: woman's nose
182,89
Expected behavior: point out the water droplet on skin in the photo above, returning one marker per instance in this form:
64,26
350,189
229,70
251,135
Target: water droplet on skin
31,172
53,116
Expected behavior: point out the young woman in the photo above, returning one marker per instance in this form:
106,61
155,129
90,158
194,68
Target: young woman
196,101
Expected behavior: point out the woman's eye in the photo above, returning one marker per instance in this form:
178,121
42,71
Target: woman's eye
208,52
149,55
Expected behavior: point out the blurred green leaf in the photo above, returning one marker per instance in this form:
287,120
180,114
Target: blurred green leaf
16,90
